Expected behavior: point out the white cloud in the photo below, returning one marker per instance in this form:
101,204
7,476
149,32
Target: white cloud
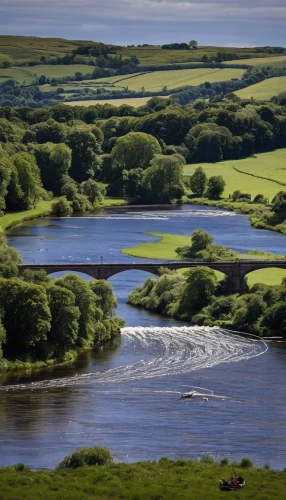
148,10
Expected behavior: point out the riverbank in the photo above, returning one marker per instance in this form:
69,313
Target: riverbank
165,479
43,209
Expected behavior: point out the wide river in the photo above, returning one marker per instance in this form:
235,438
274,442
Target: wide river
127,396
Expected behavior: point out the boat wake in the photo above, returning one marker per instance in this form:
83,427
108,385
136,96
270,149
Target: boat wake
165,351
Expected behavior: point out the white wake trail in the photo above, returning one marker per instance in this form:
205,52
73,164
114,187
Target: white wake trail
166,351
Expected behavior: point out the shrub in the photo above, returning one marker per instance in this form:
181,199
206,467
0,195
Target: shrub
86,456
224,461
246,463
206,459
21,467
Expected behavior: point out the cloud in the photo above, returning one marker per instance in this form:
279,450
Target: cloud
140,10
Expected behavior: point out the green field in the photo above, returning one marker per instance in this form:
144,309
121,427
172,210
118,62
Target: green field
156,80
271,165
52,71
263,91
25,48
273,61
165,480
11,219
154,55
131,101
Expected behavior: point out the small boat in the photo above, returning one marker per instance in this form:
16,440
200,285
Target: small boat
228,486
195,394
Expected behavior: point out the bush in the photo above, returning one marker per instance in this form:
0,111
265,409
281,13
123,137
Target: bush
206,459
22,468
224,461
86,456
246,463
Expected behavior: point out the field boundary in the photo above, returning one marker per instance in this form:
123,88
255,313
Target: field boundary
259,176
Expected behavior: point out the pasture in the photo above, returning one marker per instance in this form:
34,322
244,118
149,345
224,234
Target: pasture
156,80
31,48
154,55
274,61
131,101
271,165
26,75
263,91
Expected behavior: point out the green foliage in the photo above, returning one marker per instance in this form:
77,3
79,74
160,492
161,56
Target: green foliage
163,180
200,240
54,161
65,316
216,185
86,457
198,181
85,150
105,298
62,207
245,463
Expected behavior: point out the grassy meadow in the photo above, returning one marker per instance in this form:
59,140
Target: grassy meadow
267,60
131,101
14,218
156,80
154,55
164,480
263,91
26,75
271,165
30,48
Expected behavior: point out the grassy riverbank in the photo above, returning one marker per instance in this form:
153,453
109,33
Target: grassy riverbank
165,249
166,479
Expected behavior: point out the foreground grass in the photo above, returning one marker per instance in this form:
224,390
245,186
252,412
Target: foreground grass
15,218
166,479
263,91
156,80
267,165
165,249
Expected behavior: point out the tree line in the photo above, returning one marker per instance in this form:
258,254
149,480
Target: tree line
44,318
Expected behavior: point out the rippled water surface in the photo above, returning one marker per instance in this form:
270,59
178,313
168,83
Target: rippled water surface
127,396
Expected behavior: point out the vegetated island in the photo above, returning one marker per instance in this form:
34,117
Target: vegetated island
200,294
90,472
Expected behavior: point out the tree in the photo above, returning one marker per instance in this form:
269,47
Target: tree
134,150
26,315
85,151
163,180
85,300
193,44
54,161
65,315
200,287
200,240
61,207
27,182
216,185
105,298
94,191
198,181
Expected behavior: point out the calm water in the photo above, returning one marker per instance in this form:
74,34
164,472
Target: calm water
127,396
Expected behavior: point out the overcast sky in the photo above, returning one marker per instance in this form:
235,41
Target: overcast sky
124,22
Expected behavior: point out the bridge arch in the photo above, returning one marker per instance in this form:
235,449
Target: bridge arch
270,276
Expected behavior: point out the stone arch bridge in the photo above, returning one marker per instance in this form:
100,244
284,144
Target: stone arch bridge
234,270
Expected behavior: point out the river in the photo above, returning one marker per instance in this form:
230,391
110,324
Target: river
127,396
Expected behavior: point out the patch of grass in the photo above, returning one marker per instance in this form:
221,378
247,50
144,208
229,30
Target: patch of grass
263,91
11,219
272,61
156,80
162,249
165,480
272,276
26,75
109,201
21,75
154,55
271,165
132,101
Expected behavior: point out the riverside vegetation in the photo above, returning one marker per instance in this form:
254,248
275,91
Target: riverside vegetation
197,295
91,472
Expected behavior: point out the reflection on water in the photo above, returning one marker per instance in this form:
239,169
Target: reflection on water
127,396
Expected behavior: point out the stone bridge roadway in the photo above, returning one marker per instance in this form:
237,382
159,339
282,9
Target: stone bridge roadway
234,270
